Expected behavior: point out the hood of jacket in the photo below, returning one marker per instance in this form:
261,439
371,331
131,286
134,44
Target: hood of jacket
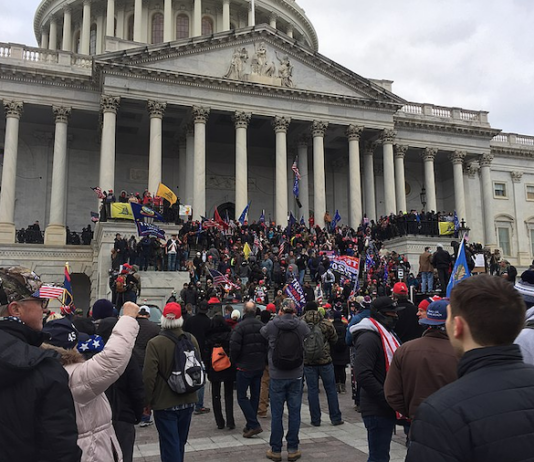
312,317
286,322
365,325
66,357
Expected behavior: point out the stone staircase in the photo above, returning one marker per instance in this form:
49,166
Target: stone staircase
156,286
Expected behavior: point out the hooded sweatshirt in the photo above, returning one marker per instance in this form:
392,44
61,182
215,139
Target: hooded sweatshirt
525,339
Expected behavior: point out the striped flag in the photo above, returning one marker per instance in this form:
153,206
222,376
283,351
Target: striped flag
221,279
281,250
257,243
295,169
49,292
68,299
98,191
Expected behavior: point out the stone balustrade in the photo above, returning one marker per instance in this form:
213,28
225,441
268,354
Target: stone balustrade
442,112
513,140
42,56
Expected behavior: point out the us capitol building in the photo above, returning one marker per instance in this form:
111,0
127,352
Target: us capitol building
218,98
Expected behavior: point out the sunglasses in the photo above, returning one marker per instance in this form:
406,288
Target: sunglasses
43,301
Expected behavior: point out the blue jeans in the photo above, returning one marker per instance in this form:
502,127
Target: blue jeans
379,434
173,428
280,392
326,372
171,262
200,396
427,279
244,380
301,277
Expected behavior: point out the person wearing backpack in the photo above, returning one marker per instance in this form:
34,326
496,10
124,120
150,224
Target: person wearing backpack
318,363
285,334
172,411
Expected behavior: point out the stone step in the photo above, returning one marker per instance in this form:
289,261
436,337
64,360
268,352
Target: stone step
156,286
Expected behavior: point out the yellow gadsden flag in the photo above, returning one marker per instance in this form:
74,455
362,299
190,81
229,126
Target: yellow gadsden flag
166,193
121,210
446,228
246,250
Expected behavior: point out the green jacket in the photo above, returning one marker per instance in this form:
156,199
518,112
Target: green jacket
159,361
329,332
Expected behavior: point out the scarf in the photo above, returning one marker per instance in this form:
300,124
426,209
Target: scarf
389,342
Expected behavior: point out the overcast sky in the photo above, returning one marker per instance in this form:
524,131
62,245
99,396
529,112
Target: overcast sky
474,54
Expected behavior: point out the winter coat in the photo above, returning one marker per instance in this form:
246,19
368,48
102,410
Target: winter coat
340,351
525,339
147,331
365,313
270,332
425,262
484,416
198,325
248,348
159,362
89,380
215,338
329,334
441,259
408,327
419,368
37,415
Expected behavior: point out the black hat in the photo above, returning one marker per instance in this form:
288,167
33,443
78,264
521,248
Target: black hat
383,304
62,332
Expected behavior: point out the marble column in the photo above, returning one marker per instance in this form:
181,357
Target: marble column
110,19
52,40
138,21
400,181
319,180
428,155
369,181
9,171
289,30
156,110
251,15
44,39
487,200
109,105
168,21
281,124
200,118
226,15
304,189
355,188
272,20
241,121
522,240
182,166
388,137
197,18
189,163
86,27
55,233
457,159
67,29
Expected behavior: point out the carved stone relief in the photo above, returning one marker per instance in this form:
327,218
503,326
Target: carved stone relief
227,182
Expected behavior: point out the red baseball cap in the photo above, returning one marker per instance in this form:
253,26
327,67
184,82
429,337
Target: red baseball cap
427,301
271,307
172,310
400,288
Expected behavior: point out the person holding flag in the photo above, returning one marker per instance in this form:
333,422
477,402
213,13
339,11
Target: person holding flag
243,215
460,270
67,300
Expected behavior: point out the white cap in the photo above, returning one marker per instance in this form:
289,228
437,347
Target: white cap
144,310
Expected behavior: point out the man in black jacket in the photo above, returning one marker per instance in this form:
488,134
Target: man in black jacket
248,352
487,414
441,260
37,416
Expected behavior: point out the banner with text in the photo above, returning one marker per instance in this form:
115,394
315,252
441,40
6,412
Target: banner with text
295,291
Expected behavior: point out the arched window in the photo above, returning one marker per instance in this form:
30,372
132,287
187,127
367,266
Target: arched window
92,40
182,26
207,26
157,28
130,28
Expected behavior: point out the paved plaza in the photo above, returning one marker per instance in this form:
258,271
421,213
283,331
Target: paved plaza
344,443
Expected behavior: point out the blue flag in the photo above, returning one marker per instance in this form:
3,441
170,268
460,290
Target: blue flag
460,270
243,215
292,220
141,212
456,222
302,222
296,187
295,291
148,229
335,220
262,216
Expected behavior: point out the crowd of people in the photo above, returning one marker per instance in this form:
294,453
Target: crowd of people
33,235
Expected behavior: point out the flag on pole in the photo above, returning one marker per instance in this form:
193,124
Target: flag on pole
243,215
296,188
292,220
336,219
281,250
262,217
302,222
456,222
246,250
95,216
219,220
49,292
98,191
295,169
221,279
67,299
460,270
166,193
140,212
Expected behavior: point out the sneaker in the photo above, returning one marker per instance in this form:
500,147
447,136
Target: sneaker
253,431
340,422
277,456
202,410
146,423
294,455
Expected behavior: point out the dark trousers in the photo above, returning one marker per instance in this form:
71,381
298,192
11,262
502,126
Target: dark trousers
340,373
173,429
443,275
379,434
126,435
228,402
249,406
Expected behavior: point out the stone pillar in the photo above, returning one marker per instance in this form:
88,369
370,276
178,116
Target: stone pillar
457,159
304,195
109,106
272,20
55,233
168,21
319,180
44,39
138,21
522,240
487,199
428,156
189,163
226,15
251,15
52,42
182,165
289,30
67,29
281,125
9,172
355,187
197,18
86,27
388,136
369,181
110,19
241,121
156,110
200,118
400,188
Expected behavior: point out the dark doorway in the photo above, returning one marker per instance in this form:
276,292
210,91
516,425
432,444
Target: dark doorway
227,207
81,288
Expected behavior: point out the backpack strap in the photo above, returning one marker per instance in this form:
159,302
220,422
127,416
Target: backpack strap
174,338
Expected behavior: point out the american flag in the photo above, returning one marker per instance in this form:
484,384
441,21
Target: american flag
49,292
257,242
98,191
281,250
221,279
295,169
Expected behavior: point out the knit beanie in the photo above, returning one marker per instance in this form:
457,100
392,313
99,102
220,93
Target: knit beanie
311,306
102,309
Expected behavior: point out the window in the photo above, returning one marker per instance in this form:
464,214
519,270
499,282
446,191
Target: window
182,26
157,28
499,190
504,240
207,26
130,31
92,40
530,192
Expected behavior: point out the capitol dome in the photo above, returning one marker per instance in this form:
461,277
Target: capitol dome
85,26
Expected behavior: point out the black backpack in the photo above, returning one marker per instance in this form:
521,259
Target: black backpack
188,373
288,351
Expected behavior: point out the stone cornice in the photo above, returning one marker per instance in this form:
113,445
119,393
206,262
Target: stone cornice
502,151
430,126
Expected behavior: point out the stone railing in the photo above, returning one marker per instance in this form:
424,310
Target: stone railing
514,140
42,56
442,112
